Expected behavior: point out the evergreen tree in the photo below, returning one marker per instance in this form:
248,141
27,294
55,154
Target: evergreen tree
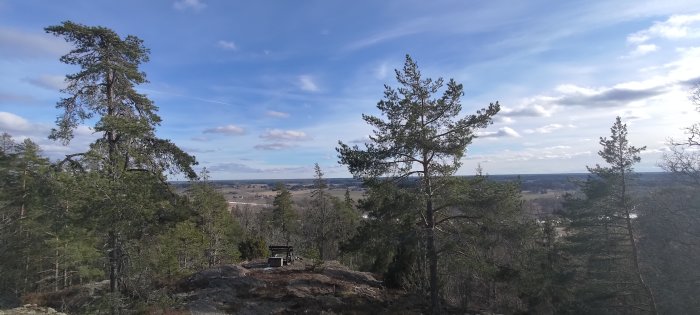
328,221
319,217
602,235
284,217
422,132
215,221
129,160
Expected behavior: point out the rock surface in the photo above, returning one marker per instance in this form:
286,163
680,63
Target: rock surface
330,288
31,309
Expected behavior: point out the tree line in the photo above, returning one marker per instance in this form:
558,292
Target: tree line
109,214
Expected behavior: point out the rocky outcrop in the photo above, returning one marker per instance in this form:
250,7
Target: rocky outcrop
329,288
31,309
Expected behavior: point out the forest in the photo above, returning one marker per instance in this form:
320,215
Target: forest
110,217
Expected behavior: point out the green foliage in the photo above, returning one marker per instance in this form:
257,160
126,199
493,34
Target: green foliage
253,248
220,230
390,225
422,131
328,221
129,199
670,234
284,217
601,238
179,251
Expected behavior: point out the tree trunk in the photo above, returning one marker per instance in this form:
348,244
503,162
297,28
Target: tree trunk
635,258
633,243
22,211
55,271
432,251
113,268
432,261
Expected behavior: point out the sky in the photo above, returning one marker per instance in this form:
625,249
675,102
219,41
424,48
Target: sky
265,89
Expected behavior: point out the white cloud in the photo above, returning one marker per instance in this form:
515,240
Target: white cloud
227,45
273,146
243,168
19,44
50,82
276,114
307,83
545,129
20,128
504,119
12,123
530,109
277,134
641,50
189,4
227,130
617,95
502,132
676,27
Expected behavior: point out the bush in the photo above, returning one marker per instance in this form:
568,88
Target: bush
253,248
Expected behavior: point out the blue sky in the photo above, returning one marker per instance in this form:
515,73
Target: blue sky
264,89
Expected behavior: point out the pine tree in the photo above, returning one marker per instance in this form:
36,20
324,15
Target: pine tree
128,154
283,214
328,221
423,132
215,221
602,234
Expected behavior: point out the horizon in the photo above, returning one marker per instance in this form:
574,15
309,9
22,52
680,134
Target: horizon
259,90
352,178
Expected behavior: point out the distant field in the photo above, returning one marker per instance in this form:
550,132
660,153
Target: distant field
262,195
538,188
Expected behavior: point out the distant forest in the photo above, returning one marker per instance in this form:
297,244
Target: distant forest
528,182
613,242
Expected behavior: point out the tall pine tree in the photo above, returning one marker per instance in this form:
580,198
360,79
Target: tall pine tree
420,136
129,161
602,235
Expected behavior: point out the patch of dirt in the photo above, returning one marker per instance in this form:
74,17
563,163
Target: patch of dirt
254,288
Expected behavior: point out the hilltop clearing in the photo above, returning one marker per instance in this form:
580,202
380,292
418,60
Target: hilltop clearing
328,288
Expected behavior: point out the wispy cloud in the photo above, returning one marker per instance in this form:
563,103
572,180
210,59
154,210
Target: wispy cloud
227,45
618,95
232,130
22,45
235,167
502,132
546,128
273,146
276,114
414,26
306,83
675,27
16,98
49,82
641,50
189,4
277,134
527,110
381,71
